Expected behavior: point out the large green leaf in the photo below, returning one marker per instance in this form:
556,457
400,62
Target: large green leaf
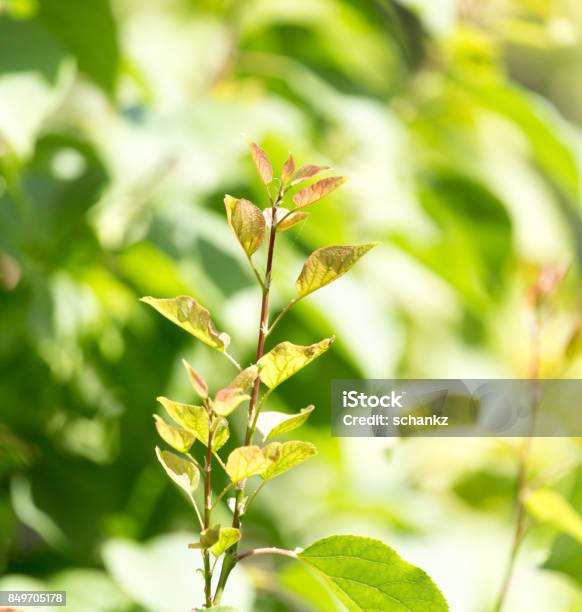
188,314
286,359
286,455
329,263
370,576
88,30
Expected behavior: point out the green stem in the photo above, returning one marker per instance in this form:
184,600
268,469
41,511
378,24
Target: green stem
208,513
221,495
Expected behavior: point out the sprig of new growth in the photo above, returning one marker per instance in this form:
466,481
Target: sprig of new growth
207,423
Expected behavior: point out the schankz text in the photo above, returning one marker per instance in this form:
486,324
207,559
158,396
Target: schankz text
355,399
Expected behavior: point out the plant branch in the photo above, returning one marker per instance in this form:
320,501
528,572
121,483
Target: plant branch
230,558
255,271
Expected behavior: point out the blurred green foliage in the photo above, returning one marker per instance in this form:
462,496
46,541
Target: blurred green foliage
123,123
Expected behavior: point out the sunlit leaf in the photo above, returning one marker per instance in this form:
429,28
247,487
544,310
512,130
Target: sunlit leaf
547,506
244,379
183,472
247,223
288,169
262,163
188,314
368,575
177,438
286,359
195,420
228,400
286,455
198,383
227,536
246,461
272,424
293,219
329,263
313,193
306,172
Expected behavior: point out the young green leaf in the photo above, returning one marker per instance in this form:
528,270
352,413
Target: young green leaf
306,172
368,575
247,223
177,438
283,219
262,163
198,383
209,536
547,506
195,420
188,314
286,455
228,400
328,264
272,424
227,536
288,169
246,461
313,193
286,359
183,472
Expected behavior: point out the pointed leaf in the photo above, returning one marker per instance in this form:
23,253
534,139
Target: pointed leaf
272,424
244,379
329,263
286,359
177,438
188,314
313,193
198,383
547,506
246,461
247,223
183,472
262,163
228,400
227,536
280,212
293,219
306,172
286,455
195,420
368,575
288,169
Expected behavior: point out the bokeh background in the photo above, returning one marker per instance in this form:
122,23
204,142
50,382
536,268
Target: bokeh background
123,123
